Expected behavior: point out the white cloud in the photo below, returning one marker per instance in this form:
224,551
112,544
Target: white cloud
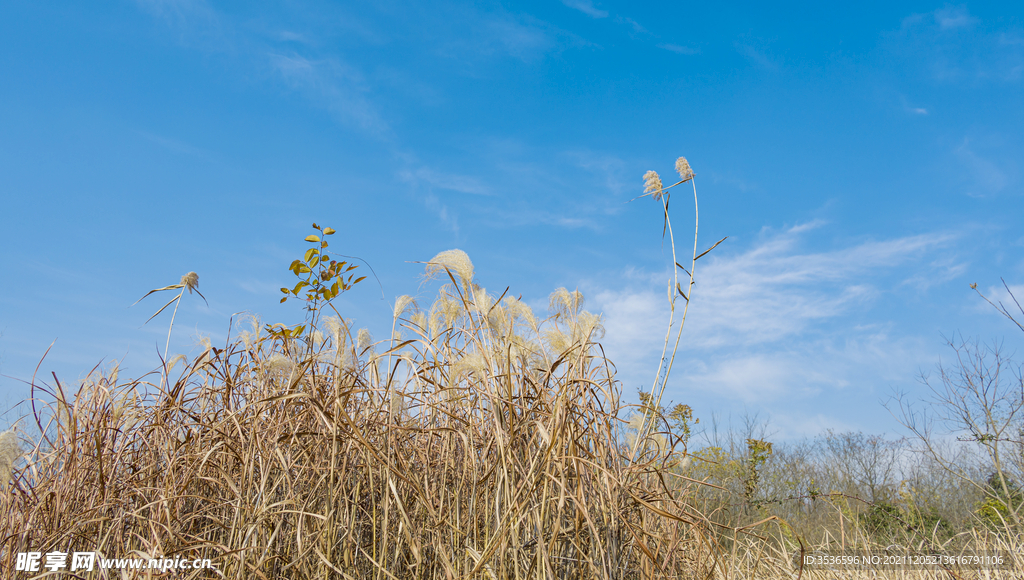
518,39
954,47
774,322
757,56
952,17
774,290
636,26
289,36
448,181
174,8
175,145
334,85
473,37
988,177
608,169
587,7
679,49
1010,298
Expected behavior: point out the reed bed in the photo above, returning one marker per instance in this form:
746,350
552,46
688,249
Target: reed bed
486,444
476,441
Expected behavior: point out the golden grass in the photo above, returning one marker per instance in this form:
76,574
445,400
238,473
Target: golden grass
471,452
475,451
484,444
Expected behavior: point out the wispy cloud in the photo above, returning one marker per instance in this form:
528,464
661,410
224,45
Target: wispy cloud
429,183
471,36
988,177
1011,300
756,55
774,290
196,23
289,36
587,7
950,17
447,218
334,85
679,49
912,109
177,9
175,145
445,181
520,40
774,320
958,46
636,26
610,170
328,81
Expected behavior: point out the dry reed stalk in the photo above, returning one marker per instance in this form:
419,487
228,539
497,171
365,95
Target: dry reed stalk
503,459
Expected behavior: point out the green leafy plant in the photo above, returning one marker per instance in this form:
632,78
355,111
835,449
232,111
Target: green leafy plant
321,280
759,451
996,509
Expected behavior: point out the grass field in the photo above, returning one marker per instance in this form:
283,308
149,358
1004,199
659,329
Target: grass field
478,441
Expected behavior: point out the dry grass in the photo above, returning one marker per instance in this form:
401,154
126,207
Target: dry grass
473,450
481,444
758,559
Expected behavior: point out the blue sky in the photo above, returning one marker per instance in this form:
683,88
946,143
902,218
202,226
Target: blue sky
864,160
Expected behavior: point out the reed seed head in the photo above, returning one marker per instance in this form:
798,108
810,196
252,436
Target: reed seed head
443,314
363,339
455,261
588,327
190,281
278,363
652,184
472,362
174,360
419,319
684,170
518,309
401,303
566,303
482,300
10,451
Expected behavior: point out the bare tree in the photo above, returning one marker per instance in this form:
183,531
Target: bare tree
980,400
866,464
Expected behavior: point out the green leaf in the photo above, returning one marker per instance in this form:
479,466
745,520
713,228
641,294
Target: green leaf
314,261
328,231
312,238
